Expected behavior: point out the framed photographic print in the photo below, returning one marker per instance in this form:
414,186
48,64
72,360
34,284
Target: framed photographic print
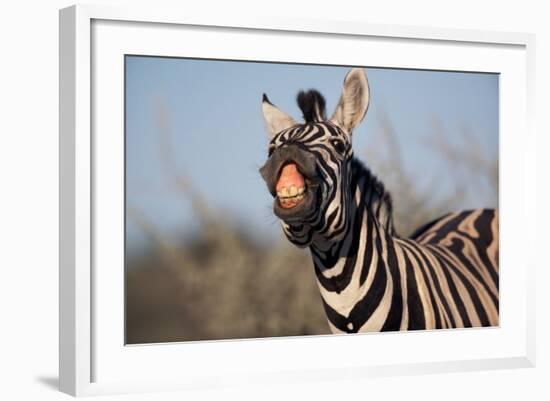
253,201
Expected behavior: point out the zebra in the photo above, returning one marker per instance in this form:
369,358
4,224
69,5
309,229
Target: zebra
445,275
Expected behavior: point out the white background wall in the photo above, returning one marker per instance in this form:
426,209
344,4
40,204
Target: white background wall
29,184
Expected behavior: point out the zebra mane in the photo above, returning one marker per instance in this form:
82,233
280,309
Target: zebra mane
379,200
312,104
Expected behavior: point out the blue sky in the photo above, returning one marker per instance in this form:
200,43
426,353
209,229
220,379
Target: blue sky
217,137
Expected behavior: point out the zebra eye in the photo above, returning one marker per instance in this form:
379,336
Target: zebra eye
270,151
338,145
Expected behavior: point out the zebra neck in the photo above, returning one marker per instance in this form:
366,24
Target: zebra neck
336,262
369,209
353,274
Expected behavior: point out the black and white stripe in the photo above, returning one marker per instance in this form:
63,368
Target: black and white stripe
445,275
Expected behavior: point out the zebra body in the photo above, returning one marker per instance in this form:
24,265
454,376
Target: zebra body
371,279
446,276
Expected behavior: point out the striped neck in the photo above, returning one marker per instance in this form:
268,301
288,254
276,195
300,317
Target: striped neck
352,274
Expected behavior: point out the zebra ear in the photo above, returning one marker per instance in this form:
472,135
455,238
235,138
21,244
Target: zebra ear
354,101
275,119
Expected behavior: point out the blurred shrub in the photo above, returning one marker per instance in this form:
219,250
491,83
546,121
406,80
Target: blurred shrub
221,285
469,170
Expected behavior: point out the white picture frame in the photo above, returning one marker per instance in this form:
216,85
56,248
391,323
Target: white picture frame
93,357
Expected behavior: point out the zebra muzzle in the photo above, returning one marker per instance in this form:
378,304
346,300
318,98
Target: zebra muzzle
291,178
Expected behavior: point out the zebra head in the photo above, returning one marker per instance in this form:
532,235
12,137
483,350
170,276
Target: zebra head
308,170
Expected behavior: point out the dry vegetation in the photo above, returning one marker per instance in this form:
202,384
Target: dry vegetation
466,167
224,284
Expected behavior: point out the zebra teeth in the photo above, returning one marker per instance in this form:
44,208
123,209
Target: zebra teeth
291,201
291,192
